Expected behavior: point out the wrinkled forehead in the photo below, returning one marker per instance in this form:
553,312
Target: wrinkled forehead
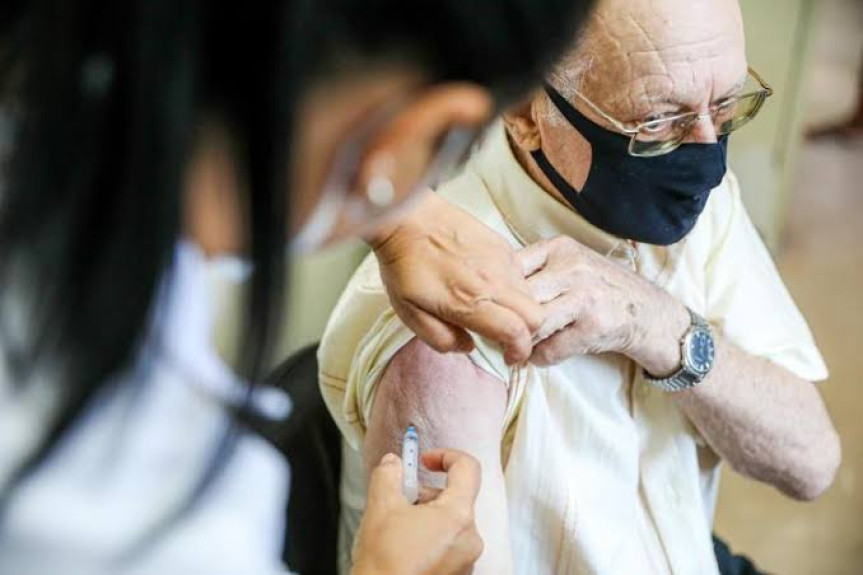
646,56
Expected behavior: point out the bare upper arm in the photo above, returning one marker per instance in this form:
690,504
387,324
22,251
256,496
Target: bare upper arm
452,402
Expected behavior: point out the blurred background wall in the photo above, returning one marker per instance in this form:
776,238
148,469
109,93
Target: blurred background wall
315,283
810,208
779,37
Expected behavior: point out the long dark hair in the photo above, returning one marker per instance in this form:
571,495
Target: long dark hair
105,97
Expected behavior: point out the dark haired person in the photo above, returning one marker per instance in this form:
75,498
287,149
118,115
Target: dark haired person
150,140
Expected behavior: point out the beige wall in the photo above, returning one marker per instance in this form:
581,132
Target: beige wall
763,153
314,288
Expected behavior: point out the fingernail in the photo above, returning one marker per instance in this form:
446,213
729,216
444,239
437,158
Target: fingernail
389,459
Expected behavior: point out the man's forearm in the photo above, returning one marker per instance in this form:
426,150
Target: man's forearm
768,423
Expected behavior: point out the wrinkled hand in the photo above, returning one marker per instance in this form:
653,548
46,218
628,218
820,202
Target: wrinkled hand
438,537
446,273
593,305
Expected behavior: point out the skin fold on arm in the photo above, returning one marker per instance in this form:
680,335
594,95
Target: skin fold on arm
453,404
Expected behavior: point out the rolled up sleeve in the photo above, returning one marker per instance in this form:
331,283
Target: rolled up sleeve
749,303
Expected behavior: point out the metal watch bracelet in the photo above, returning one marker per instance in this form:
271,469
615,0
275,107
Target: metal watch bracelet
686,377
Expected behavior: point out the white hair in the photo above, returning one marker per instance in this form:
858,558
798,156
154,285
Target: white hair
569,75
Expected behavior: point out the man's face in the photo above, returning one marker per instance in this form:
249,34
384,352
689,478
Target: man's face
641,60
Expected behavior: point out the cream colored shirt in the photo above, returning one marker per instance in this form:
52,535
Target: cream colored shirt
605,474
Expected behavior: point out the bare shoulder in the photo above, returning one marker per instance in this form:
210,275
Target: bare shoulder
442,389
418,360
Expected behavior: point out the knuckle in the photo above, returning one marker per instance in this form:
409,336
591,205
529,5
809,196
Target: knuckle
463,299
517,345
485,275
440,344
435,335
557,349
541,356
476,545
514,333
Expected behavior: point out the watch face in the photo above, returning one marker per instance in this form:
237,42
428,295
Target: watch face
701,352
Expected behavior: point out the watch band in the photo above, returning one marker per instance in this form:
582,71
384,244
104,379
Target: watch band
680,381
697,321
684,378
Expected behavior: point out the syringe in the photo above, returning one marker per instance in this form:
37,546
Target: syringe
410,465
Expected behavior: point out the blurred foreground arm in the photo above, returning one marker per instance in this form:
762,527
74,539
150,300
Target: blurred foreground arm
446,273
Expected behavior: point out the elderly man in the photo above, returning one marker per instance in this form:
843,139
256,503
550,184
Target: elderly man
669,341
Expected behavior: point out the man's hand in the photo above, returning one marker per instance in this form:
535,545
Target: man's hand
436,537
593,305
447,273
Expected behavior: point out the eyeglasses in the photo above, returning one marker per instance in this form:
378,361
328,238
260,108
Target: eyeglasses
664,135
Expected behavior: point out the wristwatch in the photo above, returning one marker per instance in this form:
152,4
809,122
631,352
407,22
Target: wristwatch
697,353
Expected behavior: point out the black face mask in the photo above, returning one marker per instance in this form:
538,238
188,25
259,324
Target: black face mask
651,200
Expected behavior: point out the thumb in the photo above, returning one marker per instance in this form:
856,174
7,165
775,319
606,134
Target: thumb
533,257
438,335
385,484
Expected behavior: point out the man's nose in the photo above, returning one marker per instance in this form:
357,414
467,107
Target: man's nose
703,130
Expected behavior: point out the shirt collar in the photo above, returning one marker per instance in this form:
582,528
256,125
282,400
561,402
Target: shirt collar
531,213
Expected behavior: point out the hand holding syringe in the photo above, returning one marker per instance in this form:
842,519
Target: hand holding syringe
437,534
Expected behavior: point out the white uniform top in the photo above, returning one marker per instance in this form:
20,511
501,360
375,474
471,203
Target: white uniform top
605,475
135,455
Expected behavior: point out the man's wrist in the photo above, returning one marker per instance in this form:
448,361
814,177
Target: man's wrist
660,352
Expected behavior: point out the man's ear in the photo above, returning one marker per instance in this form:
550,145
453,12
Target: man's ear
520,121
